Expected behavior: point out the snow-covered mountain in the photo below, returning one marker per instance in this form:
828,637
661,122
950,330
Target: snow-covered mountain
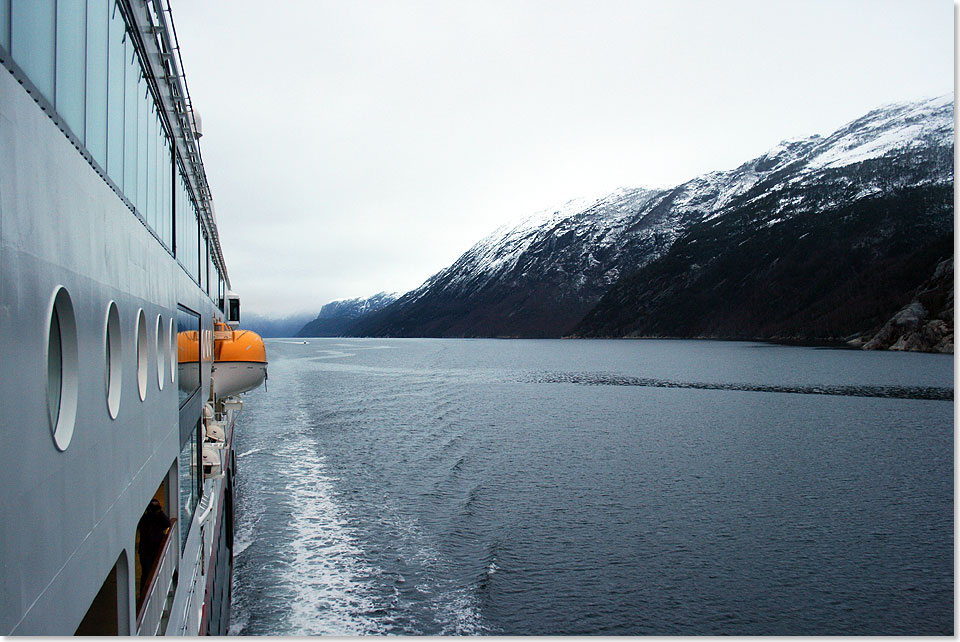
337,317
540,277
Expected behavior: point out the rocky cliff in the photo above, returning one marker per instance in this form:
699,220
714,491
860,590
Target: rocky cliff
926,323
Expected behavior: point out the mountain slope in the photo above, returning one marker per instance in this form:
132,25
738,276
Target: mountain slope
828,248
869,186
539,277
338,318
816,276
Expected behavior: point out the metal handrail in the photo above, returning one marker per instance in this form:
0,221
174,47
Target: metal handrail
211,504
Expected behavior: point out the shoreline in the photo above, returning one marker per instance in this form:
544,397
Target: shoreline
832,344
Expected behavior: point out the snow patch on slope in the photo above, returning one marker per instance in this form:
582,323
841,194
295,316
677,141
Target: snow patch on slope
888,129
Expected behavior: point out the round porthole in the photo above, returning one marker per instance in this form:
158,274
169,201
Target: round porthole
113,347
62,378
172,344
161,351
142,354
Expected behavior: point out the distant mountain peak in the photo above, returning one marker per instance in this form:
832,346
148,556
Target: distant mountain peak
362,300
338,317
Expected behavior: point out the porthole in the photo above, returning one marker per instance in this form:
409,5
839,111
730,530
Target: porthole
161,351
62,377
142,354
172,344
113,348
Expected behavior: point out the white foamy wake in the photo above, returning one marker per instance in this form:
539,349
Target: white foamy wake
242,542
458,612
330,596
237,625
455,608
331,354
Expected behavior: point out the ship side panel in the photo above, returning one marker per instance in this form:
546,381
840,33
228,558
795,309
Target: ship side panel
69,514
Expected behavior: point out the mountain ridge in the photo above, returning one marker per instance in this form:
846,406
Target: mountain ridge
544,275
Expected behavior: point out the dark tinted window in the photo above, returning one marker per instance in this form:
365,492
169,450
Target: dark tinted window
188,465
188,353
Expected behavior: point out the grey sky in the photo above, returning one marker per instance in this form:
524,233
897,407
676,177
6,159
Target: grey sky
356,146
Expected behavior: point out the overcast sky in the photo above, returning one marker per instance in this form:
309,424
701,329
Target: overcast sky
354,147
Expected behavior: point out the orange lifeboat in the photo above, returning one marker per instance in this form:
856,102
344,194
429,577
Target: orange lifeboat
239,360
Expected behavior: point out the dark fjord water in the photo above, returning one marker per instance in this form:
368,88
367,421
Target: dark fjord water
579,487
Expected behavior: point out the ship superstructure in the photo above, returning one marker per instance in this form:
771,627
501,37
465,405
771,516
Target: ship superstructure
111,280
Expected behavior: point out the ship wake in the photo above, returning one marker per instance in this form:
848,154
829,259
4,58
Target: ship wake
326,571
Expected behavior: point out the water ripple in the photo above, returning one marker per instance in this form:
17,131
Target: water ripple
889,392
432,490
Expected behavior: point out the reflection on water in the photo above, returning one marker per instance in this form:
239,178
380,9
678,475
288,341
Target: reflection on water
579,487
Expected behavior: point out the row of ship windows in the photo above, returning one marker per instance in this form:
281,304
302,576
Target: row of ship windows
63,367
78,56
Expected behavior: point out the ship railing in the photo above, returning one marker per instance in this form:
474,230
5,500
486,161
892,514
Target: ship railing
189,608
186,611
150,615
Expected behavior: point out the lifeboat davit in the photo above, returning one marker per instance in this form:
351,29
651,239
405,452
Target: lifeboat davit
239,360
